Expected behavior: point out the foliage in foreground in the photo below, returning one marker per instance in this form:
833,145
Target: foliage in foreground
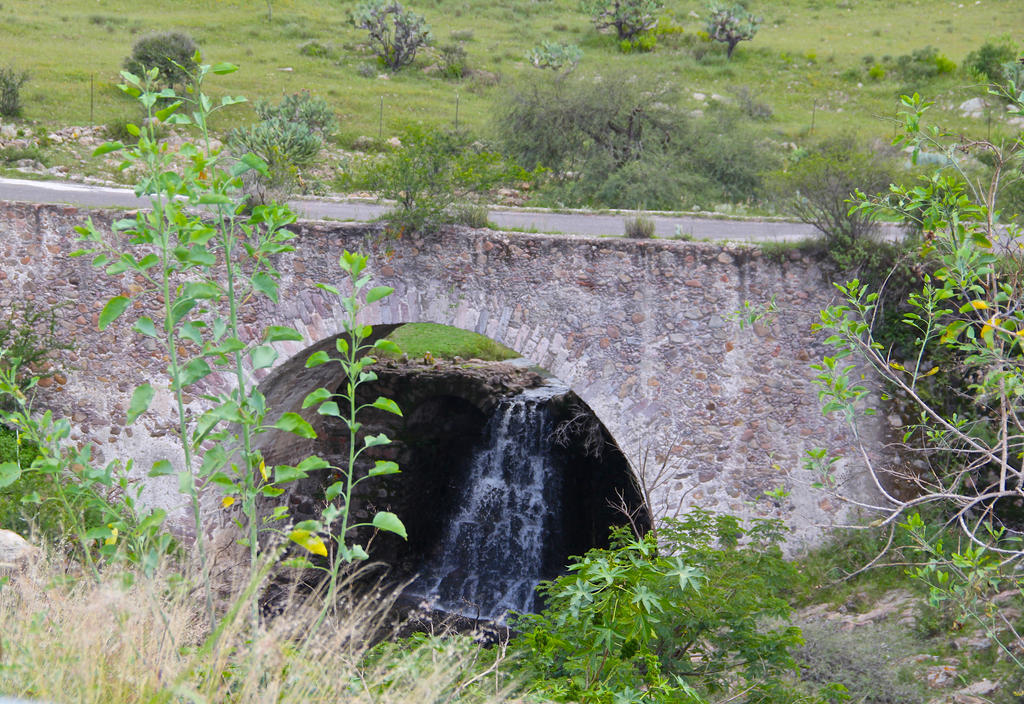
677,620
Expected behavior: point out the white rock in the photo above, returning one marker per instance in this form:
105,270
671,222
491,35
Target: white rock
699,96
13,548
975,107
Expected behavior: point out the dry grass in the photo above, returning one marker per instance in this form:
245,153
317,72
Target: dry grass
133,639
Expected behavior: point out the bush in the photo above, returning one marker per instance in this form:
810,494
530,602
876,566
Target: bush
987,60
286,147
11,81
629,18
626,146
818,186
676,616
303,108
316,49
29,344
453,61
172,53
396,34
429,175
557,56
731,25
640,228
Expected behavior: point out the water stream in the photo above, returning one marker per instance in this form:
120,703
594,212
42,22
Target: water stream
493,549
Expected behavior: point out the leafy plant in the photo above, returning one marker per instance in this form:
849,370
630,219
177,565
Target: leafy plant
557,56
201,265
453,60
29,343
354,357
988,60
396,34
172,53
285,144
666,620
431,173
640,227
629,18
731,25
309,110
11,81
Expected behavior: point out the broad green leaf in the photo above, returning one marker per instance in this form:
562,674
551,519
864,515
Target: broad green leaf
298,563
375,440
312,463
145,326
201,289
166,112
378,292
223,68
113,310
263,356
385,520
383,467
294,423
329,408
141,398
181,308
161,468
317,358
312,525
265,284
387,346
194,371
316,396
341,344
356,552
108,147
334,490
386,404
10,472
284,473
271,491
281,333
208,198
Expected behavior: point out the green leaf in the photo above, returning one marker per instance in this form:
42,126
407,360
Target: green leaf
298,563
281,333
294,423
271,491
286,473
200,290
383,467
141,398
375,440
386,404
265,284
316,396
358,553
334,490
113,310
378,292
317,358
166,112
10,472
161,468
329,408
312,463
145,326
385,520
107,148
387,346
223,68
194,371
208,198
263,357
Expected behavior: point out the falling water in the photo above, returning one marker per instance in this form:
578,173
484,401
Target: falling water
493,550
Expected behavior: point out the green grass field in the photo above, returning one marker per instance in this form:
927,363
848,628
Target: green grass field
799,64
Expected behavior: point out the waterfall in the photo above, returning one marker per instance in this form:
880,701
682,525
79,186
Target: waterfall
492,552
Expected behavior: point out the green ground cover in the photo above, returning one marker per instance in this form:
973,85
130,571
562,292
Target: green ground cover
809,62
442,341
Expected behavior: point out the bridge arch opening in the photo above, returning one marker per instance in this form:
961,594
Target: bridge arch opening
557,490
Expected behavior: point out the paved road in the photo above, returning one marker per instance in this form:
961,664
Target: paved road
574,223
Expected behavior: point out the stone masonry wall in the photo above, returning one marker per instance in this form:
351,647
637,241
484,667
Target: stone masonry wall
638,329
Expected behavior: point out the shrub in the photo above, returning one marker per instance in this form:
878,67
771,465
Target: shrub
629,18
673,617
876,72
557,56
639,227
428,175
453,61
172,53
286,147
316,49
11,81
396,34
731,25
642,43
818,186
470,215
303,108
987,60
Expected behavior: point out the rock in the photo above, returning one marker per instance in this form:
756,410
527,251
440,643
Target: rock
394,142
14,550
980,688
975,107
362,143
940,676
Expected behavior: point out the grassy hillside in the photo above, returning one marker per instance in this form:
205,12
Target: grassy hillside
805,64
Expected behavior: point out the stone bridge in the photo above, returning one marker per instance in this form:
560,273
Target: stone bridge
712,415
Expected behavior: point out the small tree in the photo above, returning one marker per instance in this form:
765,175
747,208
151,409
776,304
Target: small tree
731,25
630,18
11,81
818,186
173,53
396,34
